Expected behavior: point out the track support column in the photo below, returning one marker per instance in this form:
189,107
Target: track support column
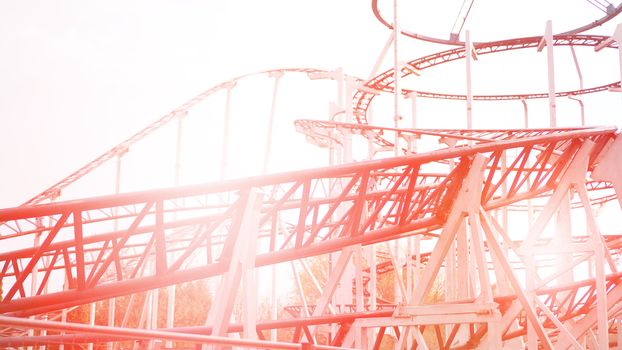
547,40
242,259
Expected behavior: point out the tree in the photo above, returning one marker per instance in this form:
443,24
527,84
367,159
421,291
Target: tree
192,303
385,287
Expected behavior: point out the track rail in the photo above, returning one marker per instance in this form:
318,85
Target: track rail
384,81
102,246
574,301
54,191
610,14
400,201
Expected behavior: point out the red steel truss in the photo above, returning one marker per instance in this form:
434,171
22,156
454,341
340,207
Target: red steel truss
369,202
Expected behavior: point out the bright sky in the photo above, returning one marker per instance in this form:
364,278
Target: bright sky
79,77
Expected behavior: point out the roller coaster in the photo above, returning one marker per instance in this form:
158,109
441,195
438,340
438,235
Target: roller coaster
503,222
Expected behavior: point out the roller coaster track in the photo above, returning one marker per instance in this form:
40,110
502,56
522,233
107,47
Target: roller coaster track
572,302
384,81
110,246
609,15
54,191
378,200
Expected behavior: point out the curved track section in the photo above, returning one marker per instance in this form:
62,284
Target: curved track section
54,191
384,81
383,139
611,13
601,88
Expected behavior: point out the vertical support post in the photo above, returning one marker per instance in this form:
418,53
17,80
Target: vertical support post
111,313
547,41
63,318
372,277
409,267
504,191
242,259
581,106
117,182
451,279
34,275
469,93
152,305
170,291
464,284
170,311
526,113
599,265
563,237
250,304
347,135
154,308
339,80
44,332
396,71
400,289
494,333
160,240
358,277
530,277
578,67
477,248
91,321
371,258
273,299
225,132
178,145
617,36
601,293
413,111
409,282
112,302
268,150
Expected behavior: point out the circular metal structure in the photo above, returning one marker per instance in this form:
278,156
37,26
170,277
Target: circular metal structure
384,81
515,97
611,13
